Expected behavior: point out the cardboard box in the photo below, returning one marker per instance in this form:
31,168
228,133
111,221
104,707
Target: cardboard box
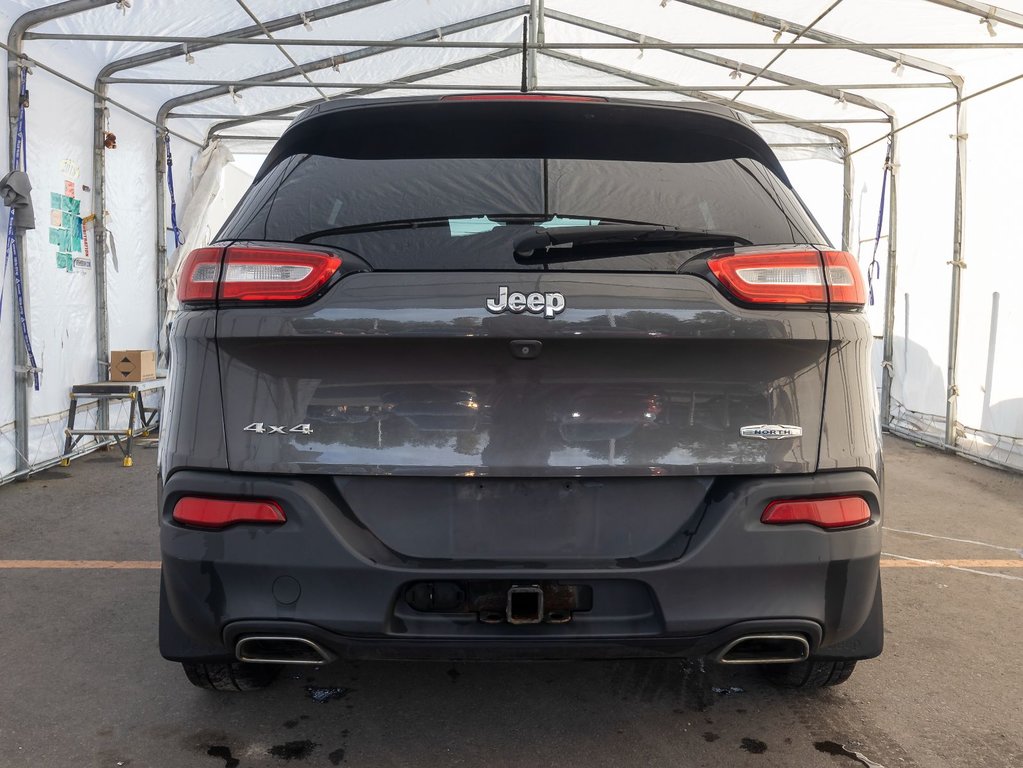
133,365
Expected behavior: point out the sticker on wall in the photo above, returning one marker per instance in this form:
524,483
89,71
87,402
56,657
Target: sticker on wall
66,228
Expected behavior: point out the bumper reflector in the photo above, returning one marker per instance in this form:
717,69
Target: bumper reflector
834,512
220,513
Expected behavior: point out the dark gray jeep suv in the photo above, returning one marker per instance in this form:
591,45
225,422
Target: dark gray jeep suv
520,376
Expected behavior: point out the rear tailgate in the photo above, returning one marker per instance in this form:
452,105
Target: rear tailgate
410,374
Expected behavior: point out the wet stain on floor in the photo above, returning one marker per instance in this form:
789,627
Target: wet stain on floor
293,750
753,746
710,736
338,755
224,753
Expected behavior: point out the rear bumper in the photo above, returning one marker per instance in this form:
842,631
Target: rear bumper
323,577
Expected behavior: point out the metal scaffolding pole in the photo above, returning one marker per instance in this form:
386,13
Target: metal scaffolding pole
825,89
985,11
891,280
952,405
847,209
536,35
223,39
99,260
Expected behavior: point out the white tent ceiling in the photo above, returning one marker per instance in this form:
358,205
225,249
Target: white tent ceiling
824,80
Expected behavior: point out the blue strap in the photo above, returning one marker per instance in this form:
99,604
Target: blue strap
170,186
12,255
874,268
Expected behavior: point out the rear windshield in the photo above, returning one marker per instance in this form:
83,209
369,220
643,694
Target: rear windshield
468,213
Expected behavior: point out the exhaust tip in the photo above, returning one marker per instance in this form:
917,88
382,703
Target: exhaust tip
281,650
765,649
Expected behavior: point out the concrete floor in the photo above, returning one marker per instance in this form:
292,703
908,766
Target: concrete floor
84,685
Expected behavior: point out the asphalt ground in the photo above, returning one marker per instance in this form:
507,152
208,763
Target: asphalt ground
82,682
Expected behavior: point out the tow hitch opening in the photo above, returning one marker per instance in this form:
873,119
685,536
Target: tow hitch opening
525,605
502,602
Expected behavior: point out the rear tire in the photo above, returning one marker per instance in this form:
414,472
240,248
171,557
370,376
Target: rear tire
808,675
230,675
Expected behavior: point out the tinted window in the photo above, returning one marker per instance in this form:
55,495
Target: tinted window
470,211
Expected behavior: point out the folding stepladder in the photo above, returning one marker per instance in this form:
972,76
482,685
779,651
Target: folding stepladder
141,418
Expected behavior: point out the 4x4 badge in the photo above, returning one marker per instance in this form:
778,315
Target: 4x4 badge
269,429
547,304
771,431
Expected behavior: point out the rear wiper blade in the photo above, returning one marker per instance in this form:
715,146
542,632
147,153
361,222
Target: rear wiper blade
433,221
577,243
376,226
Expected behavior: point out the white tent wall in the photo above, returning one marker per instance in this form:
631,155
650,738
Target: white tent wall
991,333
866,201
924,246
131,211
62,317
131,271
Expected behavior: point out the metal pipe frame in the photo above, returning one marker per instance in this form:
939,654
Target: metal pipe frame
825,121
536,15
952,404
808,86
788,145
984,11
217,40
227,116
891,279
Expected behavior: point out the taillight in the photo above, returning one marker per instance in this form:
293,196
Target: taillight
220,513
262,274
518,97
199,276
834,512
844,279
254,273
791,277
